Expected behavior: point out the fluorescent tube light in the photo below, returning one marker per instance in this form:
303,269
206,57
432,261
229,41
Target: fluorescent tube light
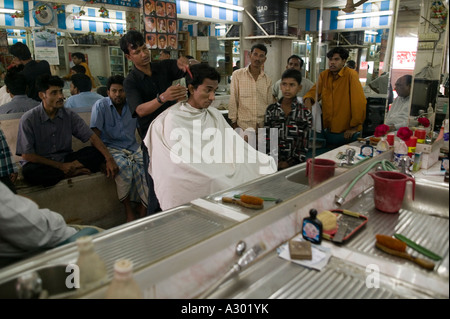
365,15
99,19
221,27
8,10
371,32
219,4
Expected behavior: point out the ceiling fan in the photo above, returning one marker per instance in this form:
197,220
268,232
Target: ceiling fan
350,7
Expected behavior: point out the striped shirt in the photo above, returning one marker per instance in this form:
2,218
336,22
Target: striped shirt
7,164
249,98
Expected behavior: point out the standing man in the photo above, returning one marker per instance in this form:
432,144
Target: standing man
150,91
250,92
111,120
342,98
398,115
32,69
45,135
294,62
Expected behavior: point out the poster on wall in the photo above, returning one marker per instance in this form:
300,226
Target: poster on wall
160,24
45,45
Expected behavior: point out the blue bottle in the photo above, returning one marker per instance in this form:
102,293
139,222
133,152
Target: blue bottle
312,228
367,150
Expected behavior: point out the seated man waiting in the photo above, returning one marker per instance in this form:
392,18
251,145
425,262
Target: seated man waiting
112,121
44,140
217,158
292,120
80,88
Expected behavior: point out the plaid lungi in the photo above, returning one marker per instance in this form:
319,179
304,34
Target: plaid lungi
130,180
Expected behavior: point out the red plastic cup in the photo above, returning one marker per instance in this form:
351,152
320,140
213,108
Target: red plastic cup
421,134
323,170
411,143
390,138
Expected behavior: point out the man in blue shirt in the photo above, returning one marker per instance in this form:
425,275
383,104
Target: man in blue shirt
45,135
112,121
80,88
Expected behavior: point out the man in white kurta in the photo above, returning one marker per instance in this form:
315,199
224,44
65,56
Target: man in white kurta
194,152
398,115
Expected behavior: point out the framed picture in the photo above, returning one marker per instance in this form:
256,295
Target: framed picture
114,51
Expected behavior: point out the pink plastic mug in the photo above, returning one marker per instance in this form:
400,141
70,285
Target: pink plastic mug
389,190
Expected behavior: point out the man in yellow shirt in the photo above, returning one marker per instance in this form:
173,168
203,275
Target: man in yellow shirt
342,98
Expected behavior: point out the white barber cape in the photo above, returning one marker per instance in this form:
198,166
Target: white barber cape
195,152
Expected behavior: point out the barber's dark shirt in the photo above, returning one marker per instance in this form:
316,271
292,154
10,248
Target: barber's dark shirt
32,70
141,88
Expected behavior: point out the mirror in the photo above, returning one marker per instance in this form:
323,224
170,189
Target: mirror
432,35
404,46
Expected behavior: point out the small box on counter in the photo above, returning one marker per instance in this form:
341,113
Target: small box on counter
429,153
300,250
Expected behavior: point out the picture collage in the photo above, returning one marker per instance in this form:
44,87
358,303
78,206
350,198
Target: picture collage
160,24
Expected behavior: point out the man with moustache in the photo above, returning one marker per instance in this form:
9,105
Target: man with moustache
150,91
342,98
112,121
250,92
45,135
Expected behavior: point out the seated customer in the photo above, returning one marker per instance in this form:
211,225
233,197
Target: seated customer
16,86
80,88
112,121
26,229
44,140
398,115
217,159
292,120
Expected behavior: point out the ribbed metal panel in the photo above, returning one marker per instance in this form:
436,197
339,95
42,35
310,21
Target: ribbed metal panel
426,230
183,227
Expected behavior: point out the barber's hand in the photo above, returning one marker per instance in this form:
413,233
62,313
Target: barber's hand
111,167
349,133
174,93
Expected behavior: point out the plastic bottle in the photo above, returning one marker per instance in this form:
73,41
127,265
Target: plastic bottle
123,285
400,150
382,145
91,266
367,149
431,116
312,228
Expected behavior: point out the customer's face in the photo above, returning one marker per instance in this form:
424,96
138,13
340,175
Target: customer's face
336,63
402,87
52,98
139,56
204,95
117,94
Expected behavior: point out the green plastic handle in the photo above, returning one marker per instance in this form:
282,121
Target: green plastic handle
417,247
